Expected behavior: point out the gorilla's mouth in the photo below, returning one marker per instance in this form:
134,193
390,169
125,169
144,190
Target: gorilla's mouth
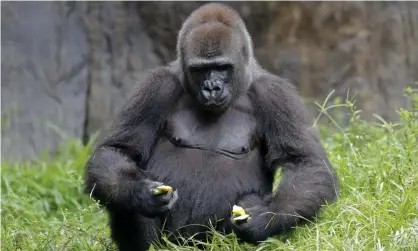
216,104
213,104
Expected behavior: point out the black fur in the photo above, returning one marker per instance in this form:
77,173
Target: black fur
212,161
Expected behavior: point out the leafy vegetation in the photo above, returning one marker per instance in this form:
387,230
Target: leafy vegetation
44,208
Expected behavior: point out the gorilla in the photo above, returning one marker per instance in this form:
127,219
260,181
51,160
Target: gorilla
205,134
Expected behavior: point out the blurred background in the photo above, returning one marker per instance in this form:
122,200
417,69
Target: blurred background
67,67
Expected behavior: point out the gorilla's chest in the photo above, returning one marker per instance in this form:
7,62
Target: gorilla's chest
232,134
211,162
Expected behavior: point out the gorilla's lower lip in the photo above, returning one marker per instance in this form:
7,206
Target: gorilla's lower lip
215,103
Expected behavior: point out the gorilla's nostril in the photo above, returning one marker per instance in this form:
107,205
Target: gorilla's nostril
212,89
217,88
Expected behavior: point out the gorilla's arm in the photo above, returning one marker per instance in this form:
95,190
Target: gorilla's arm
114,173
307,178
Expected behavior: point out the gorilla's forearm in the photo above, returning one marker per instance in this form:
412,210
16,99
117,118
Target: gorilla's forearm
120,185
306,184
308,180
113,178
115,171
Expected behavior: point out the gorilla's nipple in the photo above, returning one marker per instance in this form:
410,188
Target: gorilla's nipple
244,149
177,140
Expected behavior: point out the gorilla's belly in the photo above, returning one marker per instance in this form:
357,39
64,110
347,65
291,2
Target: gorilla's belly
208,183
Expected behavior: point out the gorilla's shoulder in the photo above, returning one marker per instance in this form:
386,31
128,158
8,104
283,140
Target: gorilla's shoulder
268,84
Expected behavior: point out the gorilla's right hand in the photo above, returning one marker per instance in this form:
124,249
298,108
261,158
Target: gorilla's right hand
150,204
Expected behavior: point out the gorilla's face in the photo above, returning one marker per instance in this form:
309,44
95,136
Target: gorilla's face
214,65
211,83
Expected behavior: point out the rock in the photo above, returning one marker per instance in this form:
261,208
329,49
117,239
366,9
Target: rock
366,49
120,54
44,77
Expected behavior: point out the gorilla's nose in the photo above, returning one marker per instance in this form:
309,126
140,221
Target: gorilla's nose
212,89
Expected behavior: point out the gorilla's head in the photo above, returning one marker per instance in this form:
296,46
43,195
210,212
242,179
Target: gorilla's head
215,52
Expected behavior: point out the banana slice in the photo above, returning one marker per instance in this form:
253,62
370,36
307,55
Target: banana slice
161,189
237,210
239,214
242,218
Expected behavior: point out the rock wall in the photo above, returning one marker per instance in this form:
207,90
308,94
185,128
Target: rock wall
68,66
44,76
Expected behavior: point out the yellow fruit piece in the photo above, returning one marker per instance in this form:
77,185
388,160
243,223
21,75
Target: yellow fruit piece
242,218
239,214
237,210
165,188
161,189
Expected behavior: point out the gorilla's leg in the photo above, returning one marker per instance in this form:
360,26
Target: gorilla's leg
132,231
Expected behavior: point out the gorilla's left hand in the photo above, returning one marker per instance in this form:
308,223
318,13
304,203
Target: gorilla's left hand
257,228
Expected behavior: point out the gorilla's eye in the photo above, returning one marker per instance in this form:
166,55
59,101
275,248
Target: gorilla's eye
196,69
224,67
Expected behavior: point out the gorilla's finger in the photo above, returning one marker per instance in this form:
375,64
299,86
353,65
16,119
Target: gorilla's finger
173,200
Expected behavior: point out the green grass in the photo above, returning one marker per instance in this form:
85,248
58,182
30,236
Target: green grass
43,207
